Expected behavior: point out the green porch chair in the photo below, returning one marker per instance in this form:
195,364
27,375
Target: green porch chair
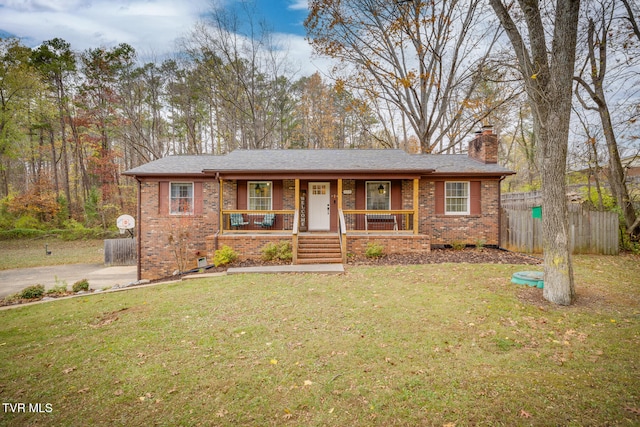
237,220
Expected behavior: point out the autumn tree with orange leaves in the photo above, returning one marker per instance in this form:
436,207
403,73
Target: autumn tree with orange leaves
422,58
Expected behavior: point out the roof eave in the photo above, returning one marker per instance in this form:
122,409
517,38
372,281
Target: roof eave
164,174
472,174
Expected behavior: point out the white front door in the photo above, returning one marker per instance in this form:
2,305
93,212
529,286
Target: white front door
319,206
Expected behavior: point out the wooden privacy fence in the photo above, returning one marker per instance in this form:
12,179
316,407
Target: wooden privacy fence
591,232
120,252
521,200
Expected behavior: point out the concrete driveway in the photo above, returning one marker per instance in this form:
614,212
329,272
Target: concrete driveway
99,276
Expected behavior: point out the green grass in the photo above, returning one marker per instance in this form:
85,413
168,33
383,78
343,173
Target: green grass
24,253
448,344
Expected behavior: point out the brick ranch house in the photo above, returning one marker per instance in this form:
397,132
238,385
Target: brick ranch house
326,203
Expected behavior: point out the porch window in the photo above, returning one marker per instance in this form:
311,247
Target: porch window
378,195
260,195
456,198
181,198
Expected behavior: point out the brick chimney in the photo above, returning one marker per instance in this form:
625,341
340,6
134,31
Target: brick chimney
484,146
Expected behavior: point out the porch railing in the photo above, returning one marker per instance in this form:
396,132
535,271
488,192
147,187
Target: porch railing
342,232
366,221
294,237
377,221
264,221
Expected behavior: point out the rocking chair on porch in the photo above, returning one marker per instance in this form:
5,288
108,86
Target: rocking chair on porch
237,220
267,221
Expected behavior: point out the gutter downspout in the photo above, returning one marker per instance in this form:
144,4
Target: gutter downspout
220,201
139,233
500,211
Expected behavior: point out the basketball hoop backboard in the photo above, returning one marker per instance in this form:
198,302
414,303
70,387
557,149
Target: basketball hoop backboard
125,222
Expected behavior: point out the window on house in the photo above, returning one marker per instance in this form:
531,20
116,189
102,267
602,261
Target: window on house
456,197
260,195
378,195
181,199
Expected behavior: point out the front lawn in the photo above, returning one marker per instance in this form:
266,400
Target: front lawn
445,344
24,253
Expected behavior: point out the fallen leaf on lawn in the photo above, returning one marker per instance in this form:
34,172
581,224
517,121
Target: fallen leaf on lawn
69,370
221,413
84,390
308,382
449,425
524,414
331,410
173,390
273,362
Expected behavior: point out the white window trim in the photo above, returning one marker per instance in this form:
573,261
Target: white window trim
455,213
270,183
366,194
193,197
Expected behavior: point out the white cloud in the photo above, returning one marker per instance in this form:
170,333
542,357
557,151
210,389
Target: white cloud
43,5
299,5
150,26
300,54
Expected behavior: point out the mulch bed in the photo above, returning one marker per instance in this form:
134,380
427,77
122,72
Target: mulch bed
448,255
469,255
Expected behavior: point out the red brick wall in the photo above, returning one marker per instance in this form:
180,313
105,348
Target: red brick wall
484,147
289,194
349,200
230,194
469,229
249,246
396,244
158,259
156,226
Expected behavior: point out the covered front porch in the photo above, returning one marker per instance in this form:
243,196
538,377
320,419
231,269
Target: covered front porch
328,216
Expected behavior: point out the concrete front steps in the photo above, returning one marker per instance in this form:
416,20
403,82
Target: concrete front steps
319,249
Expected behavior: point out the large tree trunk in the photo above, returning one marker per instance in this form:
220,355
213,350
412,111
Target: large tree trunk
558,271
547,73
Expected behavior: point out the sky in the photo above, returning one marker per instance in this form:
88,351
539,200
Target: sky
152,27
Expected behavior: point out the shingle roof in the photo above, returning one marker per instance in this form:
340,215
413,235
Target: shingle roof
329,161
177,165
461,163
321,160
